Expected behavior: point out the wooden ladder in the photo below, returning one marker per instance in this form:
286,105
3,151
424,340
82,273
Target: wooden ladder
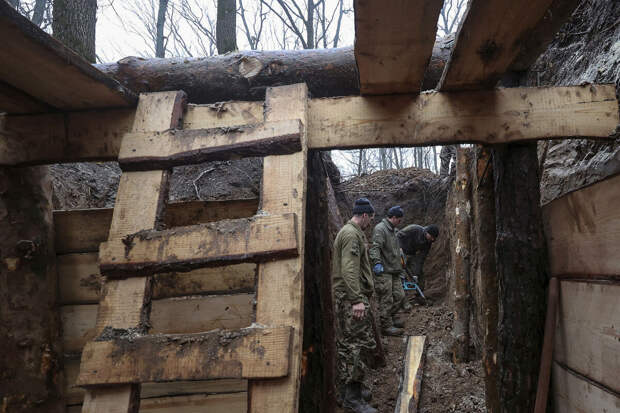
268,353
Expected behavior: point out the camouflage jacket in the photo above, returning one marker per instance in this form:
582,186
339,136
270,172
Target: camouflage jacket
385,248
351,273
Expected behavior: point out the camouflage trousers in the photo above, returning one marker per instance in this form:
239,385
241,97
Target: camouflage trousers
355,343
390,296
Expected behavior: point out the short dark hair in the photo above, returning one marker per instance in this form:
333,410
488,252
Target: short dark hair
433,230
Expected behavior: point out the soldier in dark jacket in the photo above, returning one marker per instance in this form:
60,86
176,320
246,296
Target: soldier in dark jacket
353,286
388,270
416,242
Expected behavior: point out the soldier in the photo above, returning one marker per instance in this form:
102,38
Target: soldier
352,285
388,270
448,152
416,242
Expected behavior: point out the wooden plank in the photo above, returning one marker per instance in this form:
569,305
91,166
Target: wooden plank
546,357
491,36
17,102
246,353
168,316
42,67
140,202
280,286
222,114
411,382
497,116
583,230
573,394
82,230
145,151
75,395
393,43
588,328
494,116
80,281
180,249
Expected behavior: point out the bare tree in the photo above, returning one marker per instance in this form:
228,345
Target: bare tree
74,25
160,47
201,23
450,15
254,30
226,26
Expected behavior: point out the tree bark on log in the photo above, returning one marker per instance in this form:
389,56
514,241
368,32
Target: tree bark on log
483,205
246,75
462,255
31,367
521,260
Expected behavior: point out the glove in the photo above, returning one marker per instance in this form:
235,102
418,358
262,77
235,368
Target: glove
378,269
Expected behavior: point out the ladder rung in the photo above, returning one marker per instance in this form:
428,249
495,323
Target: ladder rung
253,352
258,238
162,150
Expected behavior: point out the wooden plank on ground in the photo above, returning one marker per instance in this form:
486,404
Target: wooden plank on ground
583,230
411,381
140,202
184,315
280,286
574,394
82,230
246,353
42,67
393,43
75,395
496,116
80,281
588,330
146,150
259,238
493,34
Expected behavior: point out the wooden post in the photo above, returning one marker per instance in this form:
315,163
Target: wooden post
483,202
521,259
30,343
547,352
462,184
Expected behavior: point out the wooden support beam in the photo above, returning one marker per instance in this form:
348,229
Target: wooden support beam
280,286
583,231
411,382
183,248
494,34
17,102
393,43
82,230
494,116
161,150
577,394
546,359
246,353
45,69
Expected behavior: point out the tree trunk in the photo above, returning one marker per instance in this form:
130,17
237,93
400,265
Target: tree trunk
521,260
483,207
160,49
246,75
74,25
39,11
226,26
30,342
462,255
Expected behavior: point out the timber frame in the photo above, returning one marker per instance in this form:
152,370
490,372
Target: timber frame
150,256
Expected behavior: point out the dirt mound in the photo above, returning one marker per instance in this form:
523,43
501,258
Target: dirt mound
422,195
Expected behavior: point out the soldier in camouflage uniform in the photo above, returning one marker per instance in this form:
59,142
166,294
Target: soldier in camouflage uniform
389,271
416,242
352,285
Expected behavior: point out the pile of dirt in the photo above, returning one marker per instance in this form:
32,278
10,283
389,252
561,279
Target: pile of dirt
422,195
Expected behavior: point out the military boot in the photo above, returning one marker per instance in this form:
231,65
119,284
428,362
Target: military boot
353,399
392,331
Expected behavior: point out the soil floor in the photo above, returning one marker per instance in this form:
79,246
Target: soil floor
446,387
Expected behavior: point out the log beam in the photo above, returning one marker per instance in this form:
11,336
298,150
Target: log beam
489,117
245,353
411,382
184,248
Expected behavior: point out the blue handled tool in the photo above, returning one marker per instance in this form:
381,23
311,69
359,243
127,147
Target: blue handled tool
410,285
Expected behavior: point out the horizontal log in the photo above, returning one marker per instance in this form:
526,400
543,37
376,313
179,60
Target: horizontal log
161,150
583,231
82,230
576,394
256,353
184,315
75,395
588,328
489,117
184,248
